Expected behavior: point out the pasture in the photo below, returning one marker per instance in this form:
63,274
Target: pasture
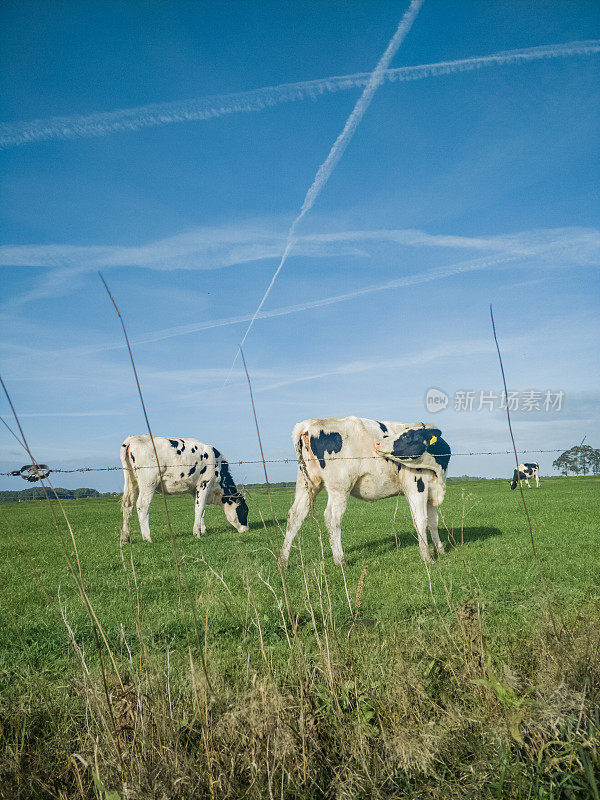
475,677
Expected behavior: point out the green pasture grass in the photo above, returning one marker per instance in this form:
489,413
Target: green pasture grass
489,557
474,677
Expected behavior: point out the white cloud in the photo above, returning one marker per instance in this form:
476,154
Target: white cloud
225,246
560,247
446,350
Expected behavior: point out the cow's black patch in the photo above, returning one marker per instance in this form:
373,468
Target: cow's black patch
519,475
132,457
202,471
231,495
174,443
420,485
216,452
230,492
440,450
192,470
383,427
414,443
241,512
182,474
325,443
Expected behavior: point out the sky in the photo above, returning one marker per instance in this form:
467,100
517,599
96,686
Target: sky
171,146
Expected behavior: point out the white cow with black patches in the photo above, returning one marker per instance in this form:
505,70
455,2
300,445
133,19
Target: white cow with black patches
369,460
186,467
524,472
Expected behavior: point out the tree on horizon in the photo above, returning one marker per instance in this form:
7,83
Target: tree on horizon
580,460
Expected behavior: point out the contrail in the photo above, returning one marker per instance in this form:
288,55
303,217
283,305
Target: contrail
409,280
340,144
203,108
438,273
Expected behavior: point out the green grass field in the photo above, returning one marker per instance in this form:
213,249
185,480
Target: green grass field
484,603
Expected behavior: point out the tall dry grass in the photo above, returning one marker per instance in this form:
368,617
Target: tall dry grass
345,710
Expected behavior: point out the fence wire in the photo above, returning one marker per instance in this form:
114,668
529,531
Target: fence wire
289,460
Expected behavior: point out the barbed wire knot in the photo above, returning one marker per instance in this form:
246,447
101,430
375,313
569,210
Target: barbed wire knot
33,472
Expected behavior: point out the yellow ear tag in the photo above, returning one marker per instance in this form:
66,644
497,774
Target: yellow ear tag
433,440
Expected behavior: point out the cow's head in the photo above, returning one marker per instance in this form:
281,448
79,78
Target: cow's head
413,443
234,504
236,511
515,480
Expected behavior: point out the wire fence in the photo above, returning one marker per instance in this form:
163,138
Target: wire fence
31,472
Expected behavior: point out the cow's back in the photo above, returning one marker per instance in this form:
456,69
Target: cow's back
335,450
182,461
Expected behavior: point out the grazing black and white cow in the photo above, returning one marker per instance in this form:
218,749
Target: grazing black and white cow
525,471
186,467
369,460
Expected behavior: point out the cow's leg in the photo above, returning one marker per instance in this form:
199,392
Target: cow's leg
417,502
200,505
143,508
537,480
525,480
334,511
432,523
303,502
130,495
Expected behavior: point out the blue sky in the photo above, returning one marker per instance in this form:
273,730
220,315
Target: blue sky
457,190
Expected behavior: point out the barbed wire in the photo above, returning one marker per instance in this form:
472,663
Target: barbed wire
28,474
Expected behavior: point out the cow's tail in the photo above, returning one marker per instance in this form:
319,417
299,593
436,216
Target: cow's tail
130,488
307,463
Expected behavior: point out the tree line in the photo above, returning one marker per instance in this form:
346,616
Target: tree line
579,460
37,493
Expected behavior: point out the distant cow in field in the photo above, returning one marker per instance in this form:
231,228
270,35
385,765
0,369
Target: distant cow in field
369,460
525,471
186,467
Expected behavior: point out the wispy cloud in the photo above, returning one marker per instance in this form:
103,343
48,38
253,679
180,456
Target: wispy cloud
220,247
204,108
447,350
118,413
551,249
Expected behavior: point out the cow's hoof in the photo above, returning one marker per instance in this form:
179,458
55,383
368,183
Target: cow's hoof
282,562
339,562
441,550
147,540
125,538
244,529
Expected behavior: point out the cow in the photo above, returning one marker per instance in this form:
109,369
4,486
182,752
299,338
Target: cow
369,460
186,467
525,471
